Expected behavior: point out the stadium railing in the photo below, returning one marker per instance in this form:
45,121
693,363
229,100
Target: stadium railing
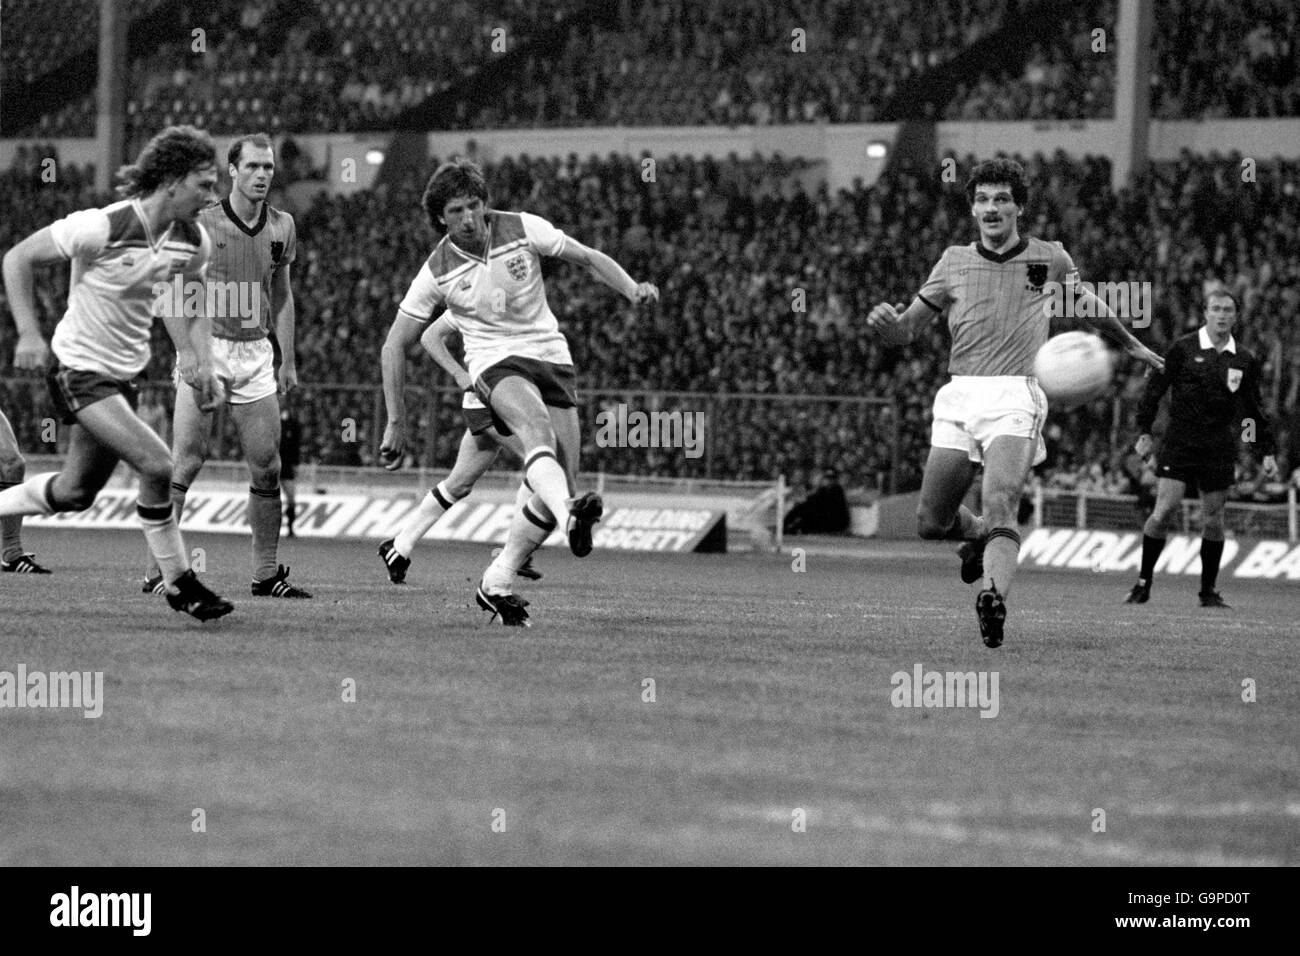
1089,510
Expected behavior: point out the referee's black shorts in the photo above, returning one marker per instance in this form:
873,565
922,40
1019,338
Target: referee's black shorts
1203,469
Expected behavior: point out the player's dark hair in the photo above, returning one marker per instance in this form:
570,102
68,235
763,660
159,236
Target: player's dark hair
999,172
173,154
1221,294
459,177
260,140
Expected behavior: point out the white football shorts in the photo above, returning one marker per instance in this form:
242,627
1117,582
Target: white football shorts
972,410
245,369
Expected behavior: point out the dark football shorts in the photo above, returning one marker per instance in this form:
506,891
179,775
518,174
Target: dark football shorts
1205,471
478,417
556,383
72,390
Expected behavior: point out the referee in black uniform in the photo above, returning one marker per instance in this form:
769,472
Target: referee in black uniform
1215,400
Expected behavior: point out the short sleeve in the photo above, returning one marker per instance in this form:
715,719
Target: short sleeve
290,245
1064,270
81,235
545,239
935,292
423,297
197,269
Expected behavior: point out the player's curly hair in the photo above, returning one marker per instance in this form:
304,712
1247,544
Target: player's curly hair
173,154
999,172
458,177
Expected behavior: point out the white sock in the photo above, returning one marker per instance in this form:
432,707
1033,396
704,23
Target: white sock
435,504
523,495
527,531
544,475
163,536
32,497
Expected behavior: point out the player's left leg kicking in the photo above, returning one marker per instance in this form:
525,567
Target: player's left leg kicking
478,450
550,435
13,468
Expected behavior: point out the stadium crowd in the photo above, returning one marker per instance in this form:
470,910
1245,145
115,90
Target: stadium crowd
359,64
766,279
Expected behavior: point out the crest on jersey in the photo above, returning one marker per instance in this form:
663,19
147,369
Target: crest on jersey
1037,272
518,267
277,250
1234,379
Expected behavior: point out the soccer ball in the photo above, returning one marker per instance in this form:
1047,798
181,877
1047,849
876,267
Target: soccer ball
1073,368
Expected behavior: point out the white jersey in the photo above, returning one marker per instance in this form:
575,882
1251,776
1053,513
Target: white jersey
116,264
497,301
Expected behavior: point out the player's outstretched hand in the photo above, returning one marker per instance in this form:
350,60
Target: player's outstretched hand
884,320
31,352
1144,354
1269,467
645,292
1143,446
390,449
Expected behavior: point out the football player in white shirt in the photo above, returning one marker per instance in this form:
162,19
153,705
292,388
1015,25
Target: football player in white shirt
479,448
123,258
485,276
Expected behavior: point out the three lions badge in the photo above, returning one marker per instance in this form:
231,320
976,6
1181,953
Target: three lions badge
518,268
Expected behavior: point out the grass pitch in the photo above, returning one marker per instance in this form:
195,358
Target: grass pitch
486,745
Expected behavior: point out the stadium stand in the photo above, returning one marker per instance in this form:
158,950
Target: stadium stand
359,64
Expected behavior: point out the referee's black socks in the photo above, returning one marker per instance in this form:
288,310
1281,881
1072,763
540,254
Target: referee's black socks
1211,553
1151,548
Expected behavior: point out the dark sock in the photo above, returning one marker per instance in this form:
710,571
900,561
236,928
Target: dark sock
1151,548
1211,553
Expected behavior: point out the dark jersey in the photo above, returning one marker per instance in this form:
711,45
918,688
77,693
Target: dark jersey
1214,395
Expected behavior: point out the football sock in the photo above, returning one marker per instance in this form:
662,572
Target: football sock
528,529
1211,554
435,504
1000,555
544,475
11,530
264,521
32,497
1151,548
164,539
178,509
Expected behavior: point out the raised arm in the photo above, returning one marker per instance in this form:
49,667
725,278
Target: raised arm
1101,318
606,270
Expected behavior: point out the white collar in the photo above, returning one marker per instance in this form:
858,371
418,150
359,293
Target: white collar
1204,337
